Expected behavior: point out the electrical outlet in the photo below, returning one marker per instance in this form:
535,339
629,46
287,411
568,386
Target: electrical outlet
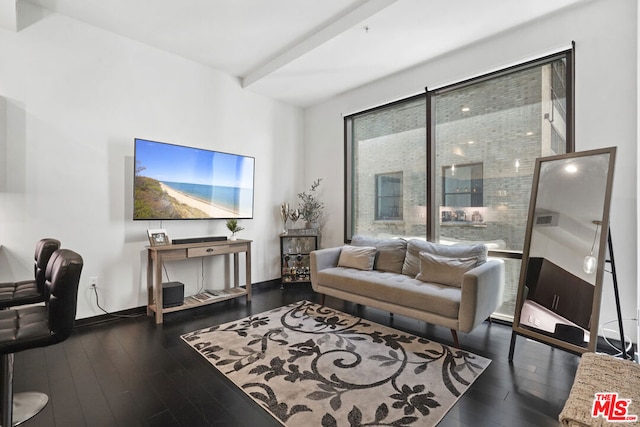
93,282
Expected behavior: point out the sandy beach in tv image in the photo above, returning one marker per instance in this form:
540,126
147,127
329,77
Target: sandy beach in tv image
208,208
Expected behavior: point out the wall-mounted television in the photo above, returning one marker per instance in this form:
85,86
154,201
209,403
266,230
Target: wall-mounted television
179,182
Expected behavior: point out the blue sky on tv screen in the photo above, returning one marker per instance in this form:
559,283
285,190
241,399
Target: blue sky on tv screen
175,163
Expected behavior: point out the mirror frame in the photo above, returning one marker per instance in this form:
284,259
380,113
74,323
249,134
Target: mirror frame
599,273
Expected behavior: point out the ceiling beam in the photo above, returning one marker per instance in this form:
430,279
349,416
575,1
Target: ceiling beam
9,15
16,15
332,29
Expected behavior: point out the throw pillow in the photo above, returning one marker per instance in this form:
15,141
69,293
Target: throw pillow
443,270
411,265
360,257
390,252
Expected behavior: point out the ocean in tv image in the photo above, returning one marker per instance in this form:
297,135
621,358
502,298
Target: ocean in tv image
231,198
179,182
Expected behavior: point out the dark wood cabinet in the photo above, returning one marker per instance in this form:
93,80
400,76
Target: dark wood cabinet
561,292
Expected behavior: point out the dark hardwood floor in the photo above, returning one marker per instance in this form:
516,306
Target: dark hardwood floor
131,372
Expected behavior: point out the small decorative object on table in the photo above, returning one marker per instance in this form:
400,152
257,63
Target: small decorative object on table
294,216
285,265
284,214
232,225
158,237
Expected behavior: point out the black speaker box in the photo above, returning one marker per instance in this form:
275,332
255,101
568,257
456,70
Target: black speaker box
172,294
199,239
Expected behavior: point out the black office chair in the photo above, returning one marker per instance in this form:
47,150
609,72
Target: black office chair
22,328
30,291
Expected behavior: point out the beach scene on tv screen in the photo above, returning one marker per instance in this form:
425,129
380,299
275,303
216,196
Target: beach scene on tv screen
177,182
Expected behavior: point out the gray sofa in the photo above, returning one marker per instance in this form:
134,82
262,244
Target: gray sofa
452,286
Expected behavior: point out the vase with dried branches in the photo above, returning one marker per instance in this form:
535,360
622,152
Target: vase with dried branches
309,206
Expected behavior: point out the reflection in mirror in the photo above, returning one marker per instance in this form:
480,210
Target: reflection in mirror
563,258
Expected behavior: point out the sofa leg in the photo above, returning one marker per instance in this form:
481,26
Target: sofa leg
322,297
454,334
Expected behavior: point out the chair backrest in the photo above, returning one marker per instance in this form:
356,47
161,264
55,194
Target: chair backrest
62,280
44,249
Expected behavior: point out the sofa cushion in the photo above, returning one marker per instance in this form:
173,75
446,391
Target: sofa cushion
359,257
394,289
411,265
390,252
444,270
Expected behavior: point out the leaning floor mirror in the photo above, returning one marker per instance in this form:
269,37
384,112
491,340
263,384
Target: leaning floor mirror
563,258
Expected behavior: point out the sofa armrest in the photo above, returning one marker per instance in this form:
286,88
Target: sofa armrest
321,259
482,289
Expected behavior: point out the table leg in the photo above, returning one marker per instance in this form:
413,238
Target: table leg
150,262
248,271
158,287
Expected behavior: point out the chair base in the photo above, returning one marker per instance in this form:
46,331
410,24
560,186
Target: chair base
27,405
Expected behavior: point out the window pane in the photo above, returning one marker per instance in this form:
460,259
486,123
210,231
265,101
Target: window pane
461,188
501,124
388,170
389,196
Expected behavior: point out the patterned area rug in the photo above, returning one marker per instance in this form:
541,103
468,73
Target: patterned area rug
310,365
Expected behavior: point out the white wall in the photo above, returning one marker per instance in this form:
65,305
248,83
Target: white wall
74,97
606,39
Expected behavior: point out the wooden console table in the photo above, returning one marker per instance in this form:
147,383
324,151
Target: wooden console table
157,255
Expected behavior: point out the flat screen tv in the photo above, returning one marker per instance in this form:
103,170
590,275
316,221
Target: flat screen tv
179,182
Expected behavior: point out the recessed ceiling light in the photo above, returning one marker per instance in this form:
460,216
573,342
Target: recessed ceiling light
529,133
571,168
471,142
465,109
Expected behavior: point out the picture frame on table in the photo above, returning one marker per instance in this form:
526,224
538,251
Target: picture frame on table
158,237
